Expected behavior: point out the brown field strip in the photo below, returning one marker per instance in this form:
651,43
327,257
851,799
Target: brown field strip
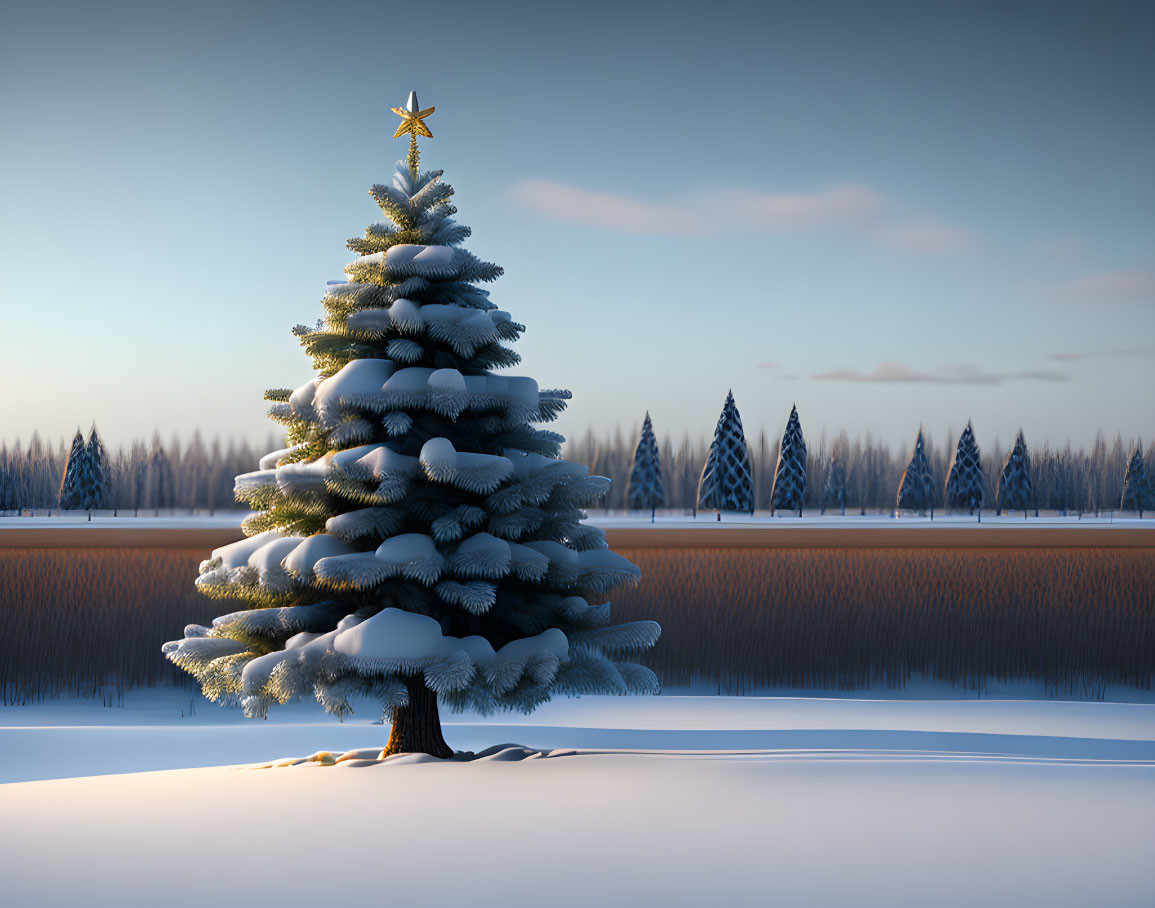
1071,618
88,608
707,536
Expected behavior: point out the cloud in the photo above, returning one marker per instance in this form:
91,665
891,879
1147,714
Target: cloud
849,207
1106,287
1070,356
897,373
767,365
928,235
701,213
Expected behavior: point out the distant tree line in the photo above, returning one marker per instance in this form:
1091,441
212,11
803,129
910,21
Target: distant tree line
864,475
141,476
836,474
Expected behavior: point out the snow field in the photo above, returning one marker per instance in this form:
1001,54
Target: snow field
671,800
164,729
608,829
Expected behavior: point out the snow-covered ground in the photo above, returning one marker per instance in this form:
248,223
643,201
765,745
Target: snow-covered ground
670,800
177,520
621,520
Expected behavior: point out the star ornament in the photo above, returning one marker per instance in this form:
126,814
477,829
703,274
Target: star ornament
413,118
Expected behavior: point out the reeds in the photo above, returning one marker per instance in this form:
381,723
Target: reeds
87,621
1074,619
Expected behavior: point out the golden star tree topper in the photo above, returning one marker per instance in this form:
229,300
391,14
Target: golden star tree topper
413,122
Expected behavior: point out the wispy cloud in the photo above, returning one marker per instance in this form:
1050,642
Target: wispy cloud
928,235
847,207
1071,356
1106,287
701,213
767,365
897,373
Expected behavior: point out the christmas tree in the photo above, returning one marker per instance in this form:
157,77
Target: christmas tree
964,482
916,489
727,480
645,487
834,491
789,487
1014,492
71,486
1138,490
419,542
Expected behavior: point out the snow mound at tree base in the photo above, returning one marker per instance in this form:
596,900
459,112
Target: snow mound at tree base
371,756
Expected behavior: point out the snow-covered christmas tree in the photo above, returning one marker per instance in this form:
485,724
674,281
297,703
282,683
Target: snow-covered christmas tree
964,481
789,488
71,484
834,490
727,482
419,541
1015,491
644,491
1138,488
916,489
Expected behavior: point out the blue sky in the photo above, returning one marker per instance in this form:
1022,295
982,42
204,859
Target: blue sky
891,214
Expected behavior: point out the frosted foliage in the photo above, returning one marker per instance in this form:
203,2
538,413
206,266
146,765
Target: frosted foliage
727,479
237,554
90,475
418,525
645,489
916,488
1138,484
964,482
789,488
71,486
1015,492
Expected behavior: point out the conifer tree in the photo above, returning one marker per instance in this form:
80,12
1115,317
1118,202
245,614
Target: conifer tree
1015,492
1138,489
834,491
964,482
7,486
789,489
156,479
420,541
1067,493
91,478
645,486
916,489
727,482
71,496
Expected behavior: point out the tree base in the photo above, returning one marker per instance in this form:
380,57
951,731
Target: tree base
417,727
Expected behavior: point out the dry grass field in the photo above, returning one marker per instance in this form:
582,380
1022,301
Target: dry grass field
1072,618
91,620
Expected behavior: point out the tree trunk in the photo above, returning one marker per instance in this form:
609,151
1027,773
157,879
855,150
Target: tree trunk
417,727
